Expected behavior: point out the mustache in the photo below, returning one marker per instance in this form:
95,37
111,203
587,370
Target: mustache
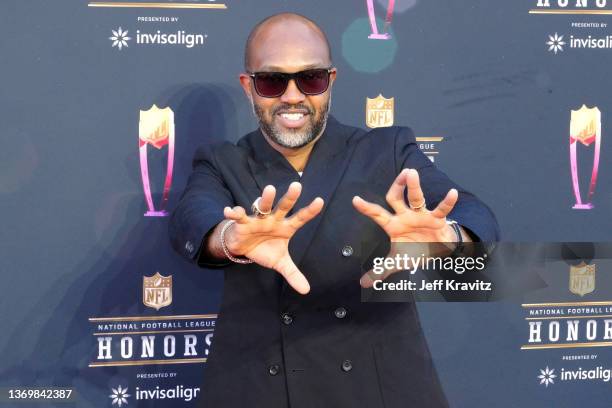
286,106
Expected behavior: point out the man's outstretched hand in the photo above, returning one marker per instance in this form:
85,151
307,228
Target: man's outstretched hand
266,240
412,222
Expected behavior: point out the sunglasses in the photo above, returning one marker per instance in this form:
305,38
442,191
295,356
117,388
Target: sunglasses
274,84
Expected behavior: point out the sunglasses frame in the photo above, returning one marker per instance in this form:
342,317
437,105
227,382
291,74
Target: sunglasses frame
289,77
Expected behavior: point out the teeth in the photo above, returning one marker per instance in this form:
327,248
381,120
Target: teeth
292,116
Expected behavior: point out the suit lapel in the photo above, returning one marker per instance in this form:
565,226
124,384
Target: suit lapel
268,167
323,172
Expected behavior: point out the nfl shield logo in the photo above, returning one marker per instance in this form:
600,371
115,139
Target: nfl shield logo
379,112
157,291
582,279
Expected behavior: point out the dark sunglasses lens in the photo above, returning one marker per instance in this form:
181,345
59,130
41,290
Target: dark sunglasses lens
313,82
270,84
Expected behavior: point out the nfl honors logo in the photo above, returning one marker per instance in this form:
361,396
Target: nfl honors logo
157,291
582,279
379,112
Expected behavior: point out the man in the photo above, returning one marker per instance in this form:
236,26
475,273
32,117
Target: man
300,337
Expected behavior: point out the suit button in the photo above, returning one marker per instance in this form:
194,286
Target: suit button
347,366
273,369
340,313
347,250
189,246
287,318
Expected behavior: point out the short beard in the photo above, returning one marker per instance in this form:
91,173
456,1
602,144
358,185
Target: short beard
292,139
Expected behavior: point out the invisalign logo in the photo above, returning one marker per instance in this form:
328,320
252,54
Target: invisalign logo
178,38
120,38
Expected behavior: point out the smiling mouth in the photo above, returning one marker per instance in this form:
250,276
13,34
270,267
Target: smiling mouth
292,116
293,119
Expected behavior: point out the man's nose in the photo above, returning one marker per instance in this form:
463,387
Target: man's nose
292,94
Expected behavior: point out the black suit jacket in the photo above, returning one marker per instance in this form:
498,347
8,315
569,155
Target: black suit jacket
275,348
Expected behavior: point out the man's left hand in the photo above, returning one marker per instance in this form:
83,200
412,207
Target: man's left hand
412,222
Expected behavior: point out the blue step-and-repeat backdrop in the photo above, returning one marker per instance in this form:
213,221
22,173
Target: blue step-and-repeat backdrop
103,104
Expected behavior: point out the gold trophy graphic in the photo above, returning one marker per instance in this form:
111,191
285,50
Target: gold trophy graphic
585,127
156,129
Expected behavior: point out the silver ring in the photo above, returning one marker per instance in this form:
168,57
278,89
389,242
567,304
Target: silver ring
257,211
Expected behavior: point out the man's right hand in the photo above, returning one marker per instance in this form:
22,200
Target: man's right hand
266,240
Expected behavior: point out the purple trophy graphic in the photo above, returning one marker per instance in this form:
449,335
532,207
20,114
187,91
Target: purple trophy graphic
585,127
376,35
156,128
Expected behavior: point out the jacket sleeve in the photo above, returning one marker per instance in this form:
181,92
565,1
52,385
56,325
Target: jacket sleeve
200,208
469,212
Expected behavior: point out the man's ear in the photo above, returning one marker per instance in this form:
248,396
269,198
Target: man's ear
332,77
245,83
333,74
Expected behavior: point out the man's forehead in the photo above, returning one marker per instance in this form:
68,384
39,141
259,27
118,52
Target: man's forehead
289,60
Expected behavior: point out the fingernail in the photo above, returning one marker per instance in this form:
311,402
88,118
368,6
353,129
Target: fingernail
365,281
